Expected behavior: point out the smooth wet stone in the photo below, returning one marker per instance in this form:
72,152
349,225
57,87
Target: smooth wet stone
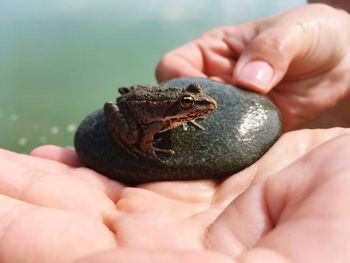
238,133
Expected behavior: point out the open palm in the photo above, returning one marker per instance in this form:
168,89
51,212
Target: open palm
291,204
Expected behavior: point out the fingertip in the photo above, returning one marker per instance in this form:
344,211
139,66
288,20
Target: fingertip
164,69
256,75
56,153
217,79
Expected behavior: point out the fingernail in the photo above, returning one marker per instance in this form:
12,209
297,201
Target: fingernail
258,74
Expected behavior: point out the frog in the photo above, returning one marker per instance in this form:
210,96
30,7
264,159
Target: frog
142,111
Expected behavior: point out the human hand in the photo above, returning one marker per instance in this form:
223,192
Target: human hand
300,59
292,208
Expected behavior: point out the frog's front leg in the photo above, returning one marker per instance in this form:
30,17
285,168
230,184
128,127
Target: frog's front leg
194,123
197,125
123,130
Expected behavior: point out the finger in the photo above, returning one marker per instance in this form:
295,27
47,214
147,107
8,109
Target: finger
34,162
208,56
51,189
296,43
304,142
132,255
59,154
186,61
34,234
219,58
110,187
272,161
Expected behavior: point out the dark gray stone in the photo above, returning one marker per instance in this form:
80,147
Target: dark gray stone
238,133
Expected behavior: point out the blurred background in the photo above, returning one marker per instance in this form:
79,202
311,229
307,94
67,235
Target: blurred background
61,60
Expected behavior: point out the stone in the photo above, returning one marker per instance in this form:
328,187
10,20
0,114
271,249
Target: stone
244,126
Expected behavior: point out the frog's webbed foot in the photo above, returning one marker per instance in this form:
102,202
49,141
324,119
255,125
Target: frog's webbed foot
158,154
154,156
137,153
165,151
157,141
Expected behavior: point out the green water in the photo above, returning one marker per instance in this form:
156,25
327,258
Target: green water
60,60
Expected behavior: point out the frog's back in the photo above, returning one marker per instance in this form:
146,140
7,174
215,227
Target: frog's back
148,103
155,94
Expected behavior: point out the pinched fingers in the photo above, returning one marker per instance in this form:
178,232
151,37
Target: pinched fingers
299,43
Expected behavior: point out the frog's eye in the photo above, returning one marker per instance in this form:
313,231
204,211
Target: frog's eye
187,102
194,87
123,90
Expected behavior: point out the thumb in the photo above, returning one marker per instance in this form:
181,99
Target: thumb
265,61
298,43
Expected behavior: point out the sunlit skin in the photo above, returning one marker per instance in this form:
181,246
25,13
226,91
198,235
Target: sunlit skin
290,206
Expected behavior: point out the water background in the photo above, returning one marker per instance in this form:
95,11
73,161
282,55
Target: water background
61,60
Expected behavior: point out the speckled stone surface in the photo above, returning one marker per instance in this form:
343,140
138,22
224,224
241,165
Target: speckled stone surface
238,133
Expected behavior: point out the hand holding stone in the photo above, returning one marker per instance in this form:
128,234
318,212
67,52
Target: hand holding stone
299,58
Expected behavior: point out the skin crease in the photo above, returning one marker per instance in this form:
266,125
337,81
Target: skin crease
290,206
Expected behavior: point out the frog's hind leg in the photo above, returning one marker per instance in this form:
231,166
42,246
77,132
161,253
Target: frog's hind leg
124,132
147,143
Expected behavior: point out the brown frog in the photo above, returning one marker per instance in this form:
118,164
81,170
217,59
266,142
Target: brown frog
143,111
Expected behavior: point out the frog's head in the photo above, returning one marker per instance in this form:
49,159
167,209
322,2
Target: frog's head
191,104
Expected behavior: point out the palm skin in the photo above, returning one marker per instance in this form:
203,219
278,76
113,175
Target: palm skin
279,209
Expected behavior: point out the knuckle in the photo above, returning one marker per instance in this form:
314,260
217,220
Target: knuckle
273,48
212,34
163,65
165,60
270,44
